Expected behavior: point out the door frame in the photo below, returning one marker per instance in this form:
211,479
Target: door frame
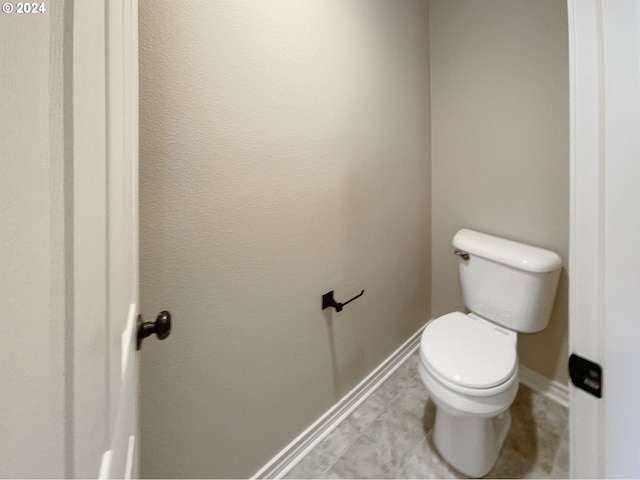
101,181
604,296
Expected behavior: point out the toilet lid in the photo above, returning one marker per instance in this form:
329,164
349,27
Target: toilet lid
468,351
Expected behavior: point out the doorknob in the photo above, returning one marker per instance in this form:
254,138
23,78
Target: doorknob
161,327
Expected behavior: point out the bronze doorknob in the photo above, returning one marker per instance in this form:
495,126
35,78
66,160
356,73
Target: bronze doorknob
161,327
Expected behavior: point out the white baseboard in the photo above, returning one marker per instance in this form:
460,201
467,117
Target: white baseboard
551,389
290,455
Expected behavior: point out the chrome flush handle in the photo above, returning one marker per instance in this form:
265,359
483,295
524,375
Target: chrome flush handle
460,253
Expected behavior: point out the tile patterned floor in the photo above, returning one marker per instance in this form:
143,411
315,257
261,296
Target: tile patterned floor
388,437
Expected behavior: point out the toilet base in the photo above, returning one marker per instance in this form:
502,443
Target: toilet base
470,444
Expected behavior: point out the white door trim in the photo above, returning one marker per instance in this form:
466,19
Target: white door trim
103,359
605,233
585,244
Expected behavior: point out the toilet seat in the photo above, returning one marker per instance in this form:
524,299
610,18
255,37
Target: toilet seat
468,351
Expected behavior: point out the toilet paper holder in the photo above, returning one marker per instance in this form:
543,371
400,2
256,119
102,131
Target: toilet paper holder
329,301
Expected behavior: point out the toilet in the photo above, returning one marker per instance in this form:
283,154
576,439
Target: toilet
468,361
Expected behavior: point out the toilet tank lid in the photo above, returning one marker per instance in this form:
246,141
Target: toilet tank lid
507,252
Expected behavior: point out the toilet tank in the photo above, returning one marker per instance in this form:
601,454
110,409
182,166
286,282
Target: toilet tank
507,282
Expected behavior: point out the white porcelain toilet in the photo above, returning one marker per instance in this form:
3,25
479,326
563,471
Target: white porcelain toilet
468,362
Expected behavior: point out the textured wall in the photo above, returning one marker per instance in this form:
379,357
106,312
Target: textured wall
500,156
284,153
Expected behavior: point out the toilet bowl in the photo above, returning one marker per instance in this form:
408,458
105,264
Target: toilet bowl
469,366
468,362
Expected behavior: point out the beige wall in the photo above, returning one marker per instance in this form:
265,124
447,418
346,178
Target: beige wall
500,156
284,153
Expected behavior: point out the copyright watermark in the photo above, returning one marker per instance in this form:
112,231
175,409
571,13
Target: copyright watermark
26,7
